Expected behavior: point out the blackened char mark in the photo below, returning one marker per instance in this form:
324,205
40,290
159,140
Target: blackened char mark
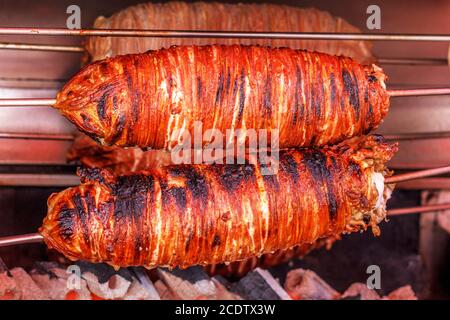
241,95
101,106
316,163
177,194
351,87
82,215
219,92
118,129
232,176
66,223
267,97
332,87
195,183
188,241
216,241
131,193
199,88
289,165
271,181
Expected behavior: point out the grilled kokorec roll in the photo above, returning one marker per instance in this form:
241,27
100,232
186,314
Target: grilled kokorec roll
153,99
262,17
198,214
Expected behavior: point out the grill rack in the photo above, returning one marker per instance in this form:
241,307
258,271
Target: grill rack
29,102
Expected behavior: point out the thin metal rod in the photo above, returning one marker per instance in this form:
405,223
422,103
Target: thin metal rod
418,92
26,102
37,136
417,136
63,48
417,174
420,209
38,180
413,62
39,47
21,239
36,237
222,34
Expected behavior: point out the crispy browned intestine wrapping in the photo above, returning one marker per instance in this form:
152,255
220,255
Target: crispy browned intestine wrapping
154,99
201,214
224,17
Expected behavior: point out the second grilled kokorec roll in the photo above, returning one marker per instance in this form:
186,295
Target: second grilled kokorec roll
152,99
203,214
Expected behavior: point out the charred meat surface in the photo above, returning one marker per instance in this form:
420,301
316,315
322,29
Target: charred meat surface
151,99
198,214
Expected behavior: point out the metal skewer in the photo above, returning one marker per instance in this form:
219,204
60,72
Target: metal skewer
39,47
21,239
221,34
417,174
37,238
79,49
419,209
27,102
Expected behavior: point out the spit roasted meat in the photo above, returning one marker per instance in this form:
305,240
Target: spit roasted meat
217,16
152,100
199,214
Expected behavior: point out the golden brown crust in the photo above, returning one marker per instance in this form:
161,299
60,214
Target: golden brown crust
199,214
223,16
151,99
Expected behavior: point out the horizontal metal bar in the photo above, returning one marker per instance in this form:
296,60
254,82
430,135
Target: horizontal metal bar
413,62
39,47
417,174
69,137
425,184
36,237
63,48
27,102
420,209
38,180
222,34
37,136
417,136
20,239
14,179
418,92
395,93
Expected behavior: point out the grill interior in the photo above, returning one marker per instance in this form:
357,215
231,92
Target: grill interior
412,248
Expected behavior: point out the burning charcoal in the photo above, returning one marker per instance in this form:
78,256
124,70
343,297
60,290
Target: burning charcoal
143,280
164,291
402,293
222,289
187,284
360,291
28,288
307,285
115,288
103,272
260,285
8,287
52,280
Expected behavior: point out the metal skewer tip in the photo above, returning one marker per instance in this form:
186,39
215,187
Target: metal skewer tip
417,174
21,239
418,92
420,209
